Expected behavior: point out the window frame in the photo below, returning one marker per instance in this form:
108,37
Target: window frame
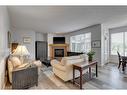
84,41
123,42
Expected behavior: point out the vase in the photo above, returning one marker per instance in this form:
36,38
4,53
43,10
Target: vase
90,58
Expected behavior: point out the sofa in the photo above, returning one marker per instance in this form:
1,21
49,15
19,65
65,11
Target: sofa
64,68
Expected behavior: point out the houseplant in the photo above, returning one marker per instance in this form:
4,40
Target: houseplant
90,55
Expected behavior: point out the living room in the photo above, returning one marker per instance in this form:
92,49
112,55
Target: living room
55,38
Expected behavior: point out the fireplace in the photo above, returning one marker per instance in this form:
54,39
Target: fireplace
58,50
59,53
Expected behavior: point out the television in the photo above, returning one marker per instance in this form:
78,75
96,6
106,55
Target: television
58,40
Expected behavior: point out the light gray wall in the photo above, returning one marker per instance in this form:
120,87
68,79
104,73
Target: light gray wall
41,36
95,35
18,35
4,51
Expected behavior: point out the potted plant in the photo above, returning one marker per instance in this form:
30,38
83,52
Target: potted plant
90,55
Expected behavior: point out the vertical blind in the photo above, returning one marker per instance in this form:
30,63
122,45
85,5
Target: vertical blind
118,42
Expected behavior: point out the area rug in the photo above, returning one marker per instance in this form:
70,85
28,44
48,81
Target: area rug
47,80
52,82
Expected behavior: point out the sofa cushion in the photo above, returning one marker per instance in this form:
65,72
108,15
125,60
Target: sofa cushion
15,61
72,57
72,61
64,59
85,56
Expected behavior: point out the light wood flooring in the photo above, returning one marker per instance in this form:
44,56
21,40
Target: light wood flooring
109,77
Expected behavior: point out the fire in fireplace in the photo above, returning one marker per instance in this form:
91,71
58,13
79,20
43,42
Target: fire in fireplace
59,53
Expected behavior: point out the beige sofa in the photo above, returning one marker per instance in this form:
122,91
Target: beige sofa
64,69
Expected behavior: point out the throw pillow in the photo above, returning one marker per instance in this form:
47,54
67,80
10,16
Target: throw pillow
37,63
15,61
84,56
63,61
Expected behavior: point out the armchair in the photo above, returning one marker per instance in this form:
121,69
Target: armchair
22,76
64,68
25,78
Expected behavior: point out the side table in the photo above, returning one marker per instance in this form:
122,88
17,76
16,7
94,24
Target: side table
82,66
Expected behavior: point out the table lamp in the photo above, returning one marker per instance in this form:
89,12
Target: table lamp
21,51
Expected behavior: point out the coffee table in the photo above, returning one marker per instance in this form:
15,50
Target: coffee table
83,66
46,61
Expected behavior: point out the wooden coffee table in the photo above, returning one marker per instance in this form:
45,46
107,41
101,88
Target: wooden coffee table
82,66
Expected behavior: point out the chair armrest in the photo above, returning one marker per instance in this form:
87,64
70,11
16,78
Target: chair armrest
54,61
56,64
24,69
19,69
59,67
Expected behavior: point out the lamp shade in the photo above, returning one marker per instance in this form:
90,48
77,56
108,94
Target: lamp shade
21,51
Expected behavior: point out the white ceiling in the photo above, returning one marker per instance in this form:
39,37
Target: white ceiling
54,19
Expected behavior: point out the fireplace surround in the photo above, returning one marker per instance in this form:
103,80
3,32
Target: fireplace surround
58,50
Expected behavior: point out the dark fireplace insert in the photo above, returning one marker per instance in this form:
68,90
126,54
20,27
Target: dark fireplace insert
59,53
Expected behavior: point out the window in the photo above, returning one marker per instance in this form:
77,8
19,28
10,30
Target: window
125,43
118,43
81,43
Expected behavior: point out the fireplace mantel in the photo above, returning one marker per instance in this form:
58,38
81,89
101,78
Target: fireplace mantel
58,46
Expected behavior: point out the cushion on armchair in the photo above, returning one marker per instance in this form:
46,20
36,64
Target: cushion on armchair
70,58
15,61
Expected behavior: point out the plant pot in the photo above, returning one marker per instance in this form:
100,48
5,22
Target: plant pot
90,58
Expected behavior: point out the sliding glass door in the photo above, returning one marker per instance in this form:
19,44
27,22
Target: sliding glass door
125,43
118,42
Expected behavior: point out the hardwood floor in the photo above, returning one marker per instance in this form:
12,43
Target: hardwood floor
109,77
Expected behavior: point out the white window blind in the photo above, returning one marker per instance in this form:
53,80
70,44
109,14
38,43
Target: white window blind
118,43
81,43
